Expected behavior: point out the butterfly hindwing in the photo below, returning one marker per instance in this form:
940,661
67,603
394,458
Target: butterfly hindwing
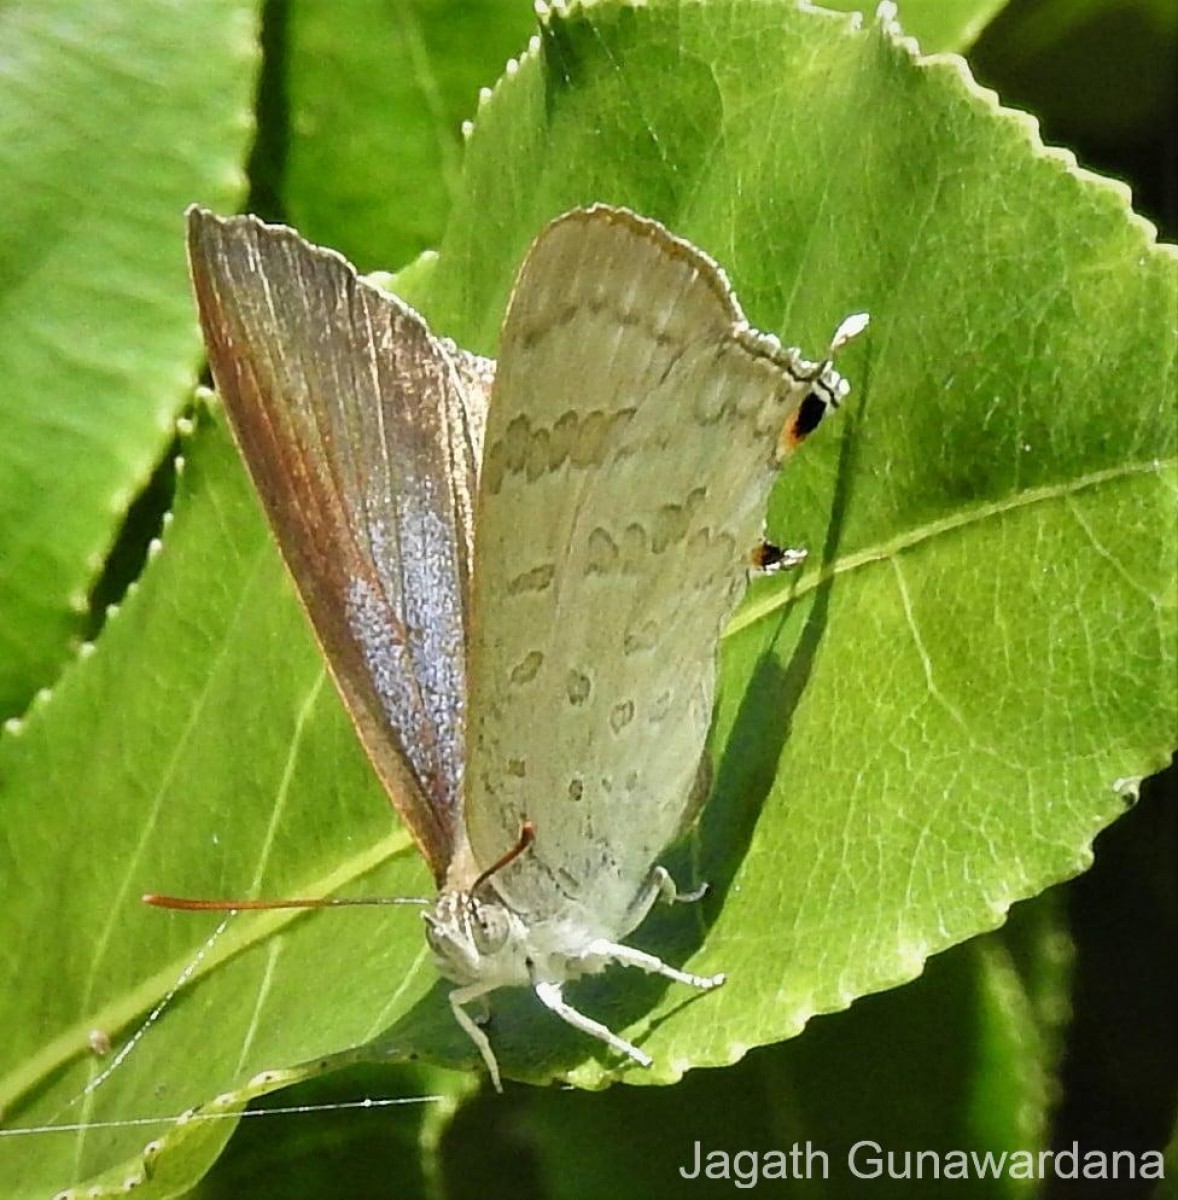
631,446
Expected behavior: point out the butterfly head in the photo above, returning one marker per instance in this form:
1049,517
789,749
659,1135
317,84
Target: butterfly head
477,938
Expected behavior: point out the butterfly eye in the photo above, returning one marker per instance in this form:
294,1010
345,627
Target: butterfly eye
489,927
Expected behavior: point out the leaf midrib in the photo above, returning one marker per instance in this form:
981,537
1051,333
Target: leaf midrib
762,608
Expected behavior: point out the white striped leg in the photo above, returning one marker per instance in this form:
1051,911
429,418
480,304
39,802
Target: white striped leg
629,957
464,995
552,997
669,893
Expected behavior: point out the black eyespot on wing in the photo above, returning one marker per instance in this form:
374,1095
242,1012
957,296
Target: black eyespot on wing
767,556
809,415
769,559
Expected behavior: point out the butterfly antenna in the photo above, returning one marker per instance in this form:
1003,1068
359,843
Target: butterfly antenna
192,904
527,835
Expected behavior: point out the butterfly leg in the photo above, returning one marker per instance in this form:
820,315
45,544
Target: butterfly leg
667,891
628,956
660,886
552,997
464,995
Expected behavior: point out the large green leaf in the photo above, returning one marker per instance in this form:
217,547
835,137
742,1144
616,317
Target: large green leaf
111,122
132,776
379,190
967,1046
928,723
936,719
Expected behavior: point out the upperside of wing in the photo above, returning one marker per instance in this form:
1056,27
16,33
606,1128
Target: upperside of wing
362,432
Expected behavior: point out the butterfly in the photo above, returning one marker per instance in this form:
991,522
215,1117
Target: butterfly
518,571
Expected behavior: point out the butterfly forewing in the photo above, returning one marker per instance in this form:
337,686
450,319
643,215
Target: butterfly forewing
629,455
363,435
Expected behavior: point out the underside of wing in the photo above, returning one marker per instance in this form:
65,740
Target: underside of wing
362,433
631,446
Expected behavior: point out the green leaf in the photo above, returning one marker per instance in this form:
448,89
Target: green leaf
379,190
939,716
965,1047
939,25
396,1139
132,777
110,124
928,723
